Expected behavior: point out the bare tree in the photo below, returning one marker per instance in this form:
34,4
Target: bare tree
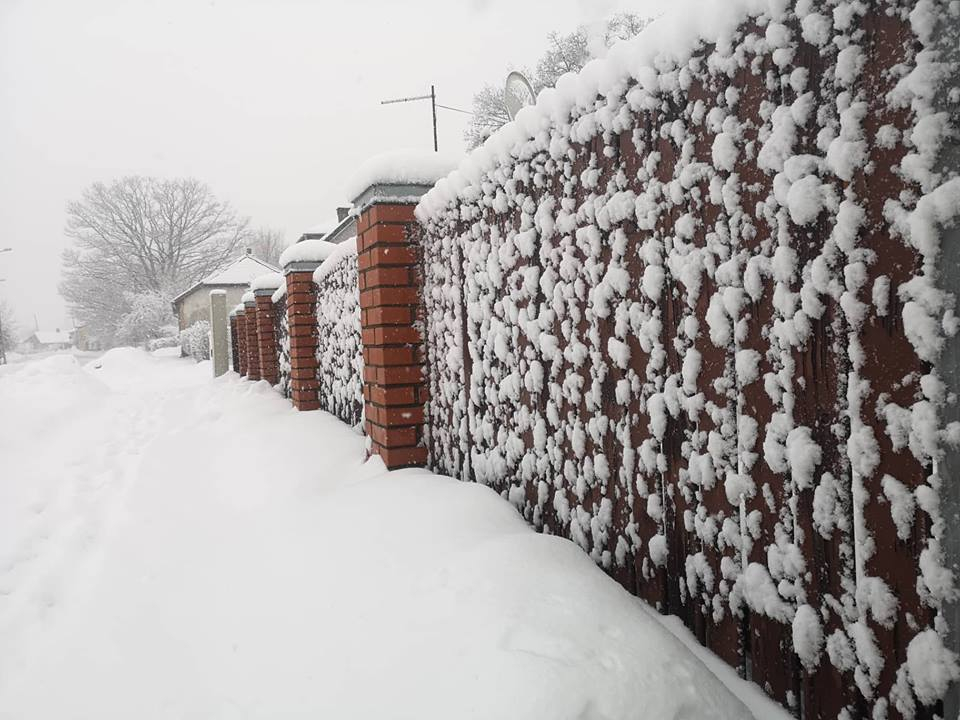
8,330
142,234
267,244
624,26
489,113
564,53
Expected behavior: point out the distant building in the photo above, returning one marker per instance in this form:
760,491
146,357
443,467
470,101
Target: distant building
83,340
345,229
193,304
45,340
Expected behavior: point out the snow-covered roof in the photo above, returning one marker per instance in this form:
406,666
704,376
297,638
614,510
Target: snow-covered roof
307,251
52,337
400,167
319,229
239,272
267,281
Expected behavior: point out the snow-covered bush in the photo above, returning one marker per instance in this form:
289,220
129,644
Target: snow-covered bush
170,337
685,311
195,340
339,351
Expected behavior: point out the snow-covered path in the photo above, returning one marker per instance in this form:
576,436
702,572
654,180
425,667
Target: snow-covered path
177,547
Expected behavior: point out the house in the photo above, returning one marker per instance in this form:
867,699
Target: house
193,304
345,229
46,340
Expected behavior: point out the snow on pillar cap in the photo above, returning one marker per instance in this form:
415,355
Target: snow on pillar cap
265,284
305,255
398,176
248,298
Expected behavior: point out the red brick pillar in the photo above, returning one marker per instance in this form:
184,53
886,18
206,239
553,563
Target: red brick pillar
394,391
253,345
266,337
302,321
241,340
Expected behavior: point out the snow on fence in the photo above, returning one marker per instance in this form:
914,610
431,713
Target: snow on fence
339,351
281,329
238,329
233,352
685,312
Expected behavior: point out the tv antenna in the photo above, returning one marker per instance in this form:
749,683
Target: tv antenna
517,94
432,97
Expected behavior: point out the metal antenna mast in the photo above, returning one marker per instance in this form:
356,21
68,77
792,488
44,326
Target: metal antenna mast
432,97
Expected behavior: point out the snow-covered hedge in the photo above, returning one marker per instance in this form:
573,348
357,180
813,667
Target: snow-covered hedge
195,340
170,338
339,351
686,311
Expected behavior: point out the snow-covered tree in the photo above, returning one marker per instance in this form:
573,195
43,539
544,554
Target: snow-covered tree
565,53
9,331
142,235
150,316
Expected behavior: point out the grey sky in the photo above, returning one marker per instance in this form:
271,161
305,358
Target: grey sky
270,102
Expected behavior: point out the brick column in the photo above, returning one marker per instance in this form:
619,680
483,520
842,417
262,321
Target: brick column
241,340
302,321
266,337
253,345
394,391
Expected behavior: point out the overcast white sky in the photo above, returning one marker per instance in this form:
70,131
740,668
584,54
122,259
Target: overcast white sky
270,102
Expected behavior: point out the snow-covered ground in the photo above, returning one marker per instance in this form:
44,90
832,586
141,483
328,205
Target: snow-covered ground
177,547
81,355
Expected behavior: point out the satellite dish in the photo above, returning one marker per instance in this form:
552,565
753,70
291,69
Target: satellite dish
517,93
